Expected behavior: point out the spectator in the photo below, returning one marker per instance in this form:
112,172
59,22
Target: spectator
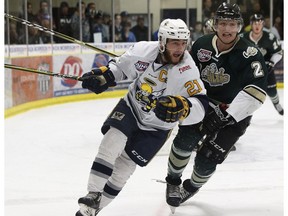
21,29
75,24
44,15
276,29
99,27
43,11
272,29
13,34
267,24
107,19
207,9
29,9
124,18
33,35
46,22
90,13
63,24
140,30
118,29
198,31
107,22
30,15
128,36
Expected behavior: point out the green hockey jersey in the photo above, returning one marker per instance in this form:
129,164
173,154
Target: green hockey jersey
237,76
268,44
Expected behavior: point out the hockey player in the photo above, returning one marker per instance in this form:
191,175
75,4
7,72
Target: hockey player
166,89
235,77
271,49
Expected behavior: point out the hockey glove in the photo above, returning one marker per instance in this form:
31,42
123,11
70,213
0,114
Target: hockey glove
217,119
172,108
269,65
98,80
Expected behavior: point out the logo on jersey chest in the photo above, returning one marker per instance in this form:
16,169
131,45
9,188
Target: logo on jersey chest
251,51
185,68
147,96
141,66
204,55
215,76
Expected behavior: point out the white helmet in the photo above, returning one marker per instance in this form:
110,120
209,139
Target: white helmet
172,29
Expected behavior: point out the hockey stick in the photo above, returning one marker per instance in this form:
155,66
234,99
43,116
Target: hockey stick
58,34
44,72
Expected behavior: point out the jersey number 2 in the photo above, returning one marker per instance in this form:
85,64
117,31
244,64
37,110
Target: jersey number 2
257,67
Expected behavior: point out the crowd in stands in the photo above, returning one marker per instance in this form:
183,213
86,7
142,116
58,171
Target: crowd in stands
66,20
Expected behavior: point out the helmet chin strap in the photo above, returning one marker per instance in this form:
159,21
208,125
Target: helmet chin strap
162,47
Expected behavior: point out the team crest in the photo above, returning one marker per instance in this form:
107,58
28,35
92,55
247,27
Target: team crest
215,76
146,96
251,51
141,66
204,55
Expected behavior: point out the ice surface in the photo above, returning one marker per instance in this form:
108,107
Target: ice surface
49,152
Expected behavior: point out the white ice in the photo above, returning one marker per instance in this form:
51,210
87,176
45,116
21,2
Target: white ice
49,152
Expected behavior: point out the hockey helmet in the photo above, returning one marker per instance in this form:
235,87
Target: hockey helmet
227,11
172,29
256,18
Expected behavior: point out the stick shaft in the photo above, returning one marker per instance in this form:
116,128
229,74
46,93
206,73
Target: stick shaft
48,73
58,34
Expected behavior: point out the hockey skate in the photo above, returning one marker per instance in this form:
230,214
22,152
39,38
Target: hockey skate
89,205
279,108
173,197
187,191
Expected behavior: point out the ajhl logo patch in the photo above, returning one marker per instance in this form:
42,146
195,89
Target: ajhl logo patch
141,66
204,55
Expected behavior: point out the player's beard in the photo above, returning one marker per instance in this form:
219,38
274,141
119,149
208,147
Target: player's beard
168,59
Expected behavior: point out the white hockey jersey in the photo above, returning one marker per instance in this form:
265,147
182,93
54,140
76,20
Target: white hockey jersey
152,80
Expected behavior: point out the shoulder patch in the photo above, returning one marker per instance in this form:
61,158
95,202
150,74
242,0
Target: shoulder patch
141,66
204,55
251,51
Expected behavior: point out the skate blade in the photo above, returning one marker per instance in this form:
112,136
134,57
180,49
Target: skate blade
173,209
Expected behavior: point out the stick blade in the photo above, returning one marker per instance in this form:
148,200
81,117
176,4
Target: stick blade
173,209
